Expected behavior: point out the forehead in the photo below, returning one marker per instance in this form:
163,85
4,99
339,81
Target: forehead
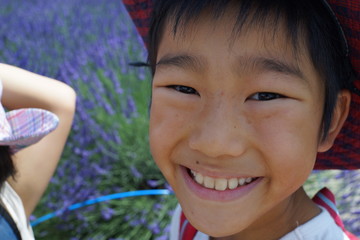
223,37
272,29
276,24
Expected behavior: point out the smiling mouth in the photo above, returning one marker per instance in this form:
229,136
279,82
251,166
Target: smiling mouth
220,184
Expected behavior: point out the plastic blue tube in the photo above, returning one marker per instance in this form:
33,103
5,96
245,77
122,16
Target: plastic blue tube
101,199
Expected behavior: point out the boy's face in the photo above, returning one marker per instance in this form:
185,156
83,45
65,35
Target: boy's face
241,113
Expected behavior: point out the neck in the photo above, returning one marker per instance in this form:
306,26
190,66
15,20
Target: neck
291,213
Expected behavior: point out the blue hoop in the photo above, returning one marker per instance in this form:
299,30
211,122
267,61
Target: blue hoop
101,199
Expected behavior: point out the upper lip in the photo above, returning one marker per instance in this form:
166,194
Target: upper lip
222,174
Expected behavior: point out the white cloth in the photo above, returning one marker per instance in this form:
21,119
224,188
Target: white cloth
321,227
13,204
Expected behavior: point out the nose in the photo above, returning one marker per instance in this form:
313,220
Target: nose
218,132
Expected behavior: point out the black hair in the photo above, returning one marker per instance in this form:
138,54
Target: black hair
7,167
306,21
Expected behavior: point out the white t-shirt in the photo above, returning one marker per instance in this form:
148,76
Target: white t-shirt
321,227
13,204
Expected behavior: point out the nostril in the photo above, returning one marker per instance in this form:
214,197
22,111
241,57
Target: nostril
215,136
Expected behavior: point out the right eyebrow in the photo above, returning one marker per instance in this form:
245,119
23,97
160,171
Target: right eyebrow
183,61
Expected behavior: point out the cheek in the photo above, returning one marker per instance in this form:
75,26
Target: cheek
169,116
289,139
167,128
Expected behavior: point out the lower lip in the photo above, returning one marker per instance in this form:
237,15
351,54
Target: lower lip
215,195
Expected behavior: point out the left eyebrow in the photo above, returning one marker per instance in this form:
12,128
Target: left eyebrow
273,65
281,67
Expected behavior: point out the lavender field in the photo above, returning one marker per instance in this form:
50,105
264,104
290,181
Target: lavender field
89,44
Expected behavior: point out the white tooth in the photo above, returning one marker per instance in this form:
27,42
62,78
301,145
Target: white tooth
193,172
220,184
209,182
242,181
233,183
248,180
199,178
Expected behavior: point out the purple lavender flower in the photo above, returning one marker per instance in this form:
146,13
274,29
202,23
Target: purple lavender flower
155,228
107,213
135,172
163,237
130,109
153,183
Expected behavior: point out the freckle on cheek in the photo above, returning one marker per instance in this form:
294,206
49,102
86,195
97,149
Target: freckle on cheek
249,122
197,162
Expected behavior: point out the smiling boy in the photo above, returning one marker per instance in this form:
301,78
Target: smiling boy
245,95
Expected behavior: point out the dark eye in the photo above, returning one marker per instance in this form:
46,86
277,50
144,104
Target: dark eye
184,89
265,96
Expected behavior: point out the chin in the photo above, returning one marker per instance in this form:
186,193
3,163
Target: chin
216,228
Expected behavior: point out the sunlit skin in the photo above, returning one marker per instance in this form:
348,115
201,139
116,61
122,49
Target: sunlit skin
238,107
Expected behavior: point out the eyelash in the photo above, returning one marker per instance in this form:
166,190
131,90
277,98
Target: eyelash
266,96
184,89
260,96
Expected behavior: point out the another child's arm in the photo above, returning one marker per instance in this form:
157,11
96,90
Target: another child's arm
36,164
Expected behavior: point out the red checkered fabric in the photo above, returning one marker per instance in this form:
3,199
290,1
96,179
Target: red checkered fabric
345,154
140,12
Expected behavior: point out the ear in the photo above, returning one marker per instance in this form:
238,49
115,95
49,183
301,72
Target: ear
340,114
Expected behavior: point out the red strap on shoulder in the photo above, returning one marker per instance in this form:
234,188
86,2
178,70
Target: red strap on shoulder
187,231
326,199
